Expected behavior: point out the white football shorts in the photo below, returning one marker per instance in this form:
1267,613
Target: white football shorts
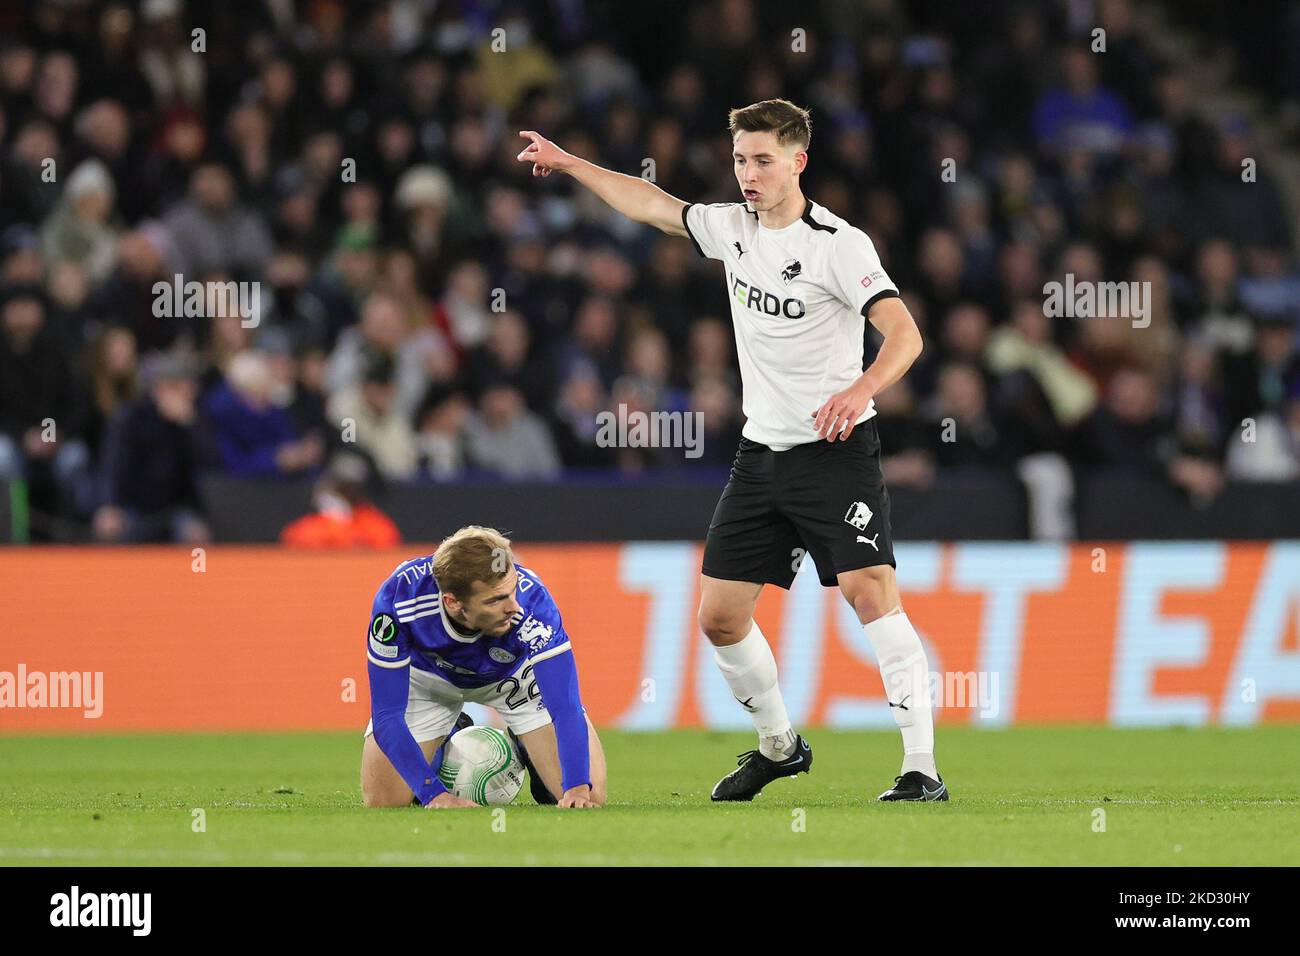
435,703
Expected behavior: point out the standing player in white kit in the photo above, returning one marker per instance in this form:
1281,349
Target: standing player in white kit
806,478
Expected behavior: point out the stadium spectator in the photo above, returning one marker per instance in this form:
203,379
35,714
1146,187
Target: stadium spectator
503,437
367,413
297,383
671,289
1130,434
33,144
1081,115
717,407
126,297
127,157
24,265
967,434
103,137
384,330
1247,213
1025,346
709,353
1199,413
463,314
965,333
212,232
251,436
148,480
344,516
114,380
423,197
505,357
80,231
648,371
576,420
1126,433
594,339
440,439
906,460
1261,380
42,407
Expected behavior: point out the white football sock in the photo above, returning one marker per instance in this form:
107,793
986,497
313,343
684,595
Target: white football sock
905,672
750,672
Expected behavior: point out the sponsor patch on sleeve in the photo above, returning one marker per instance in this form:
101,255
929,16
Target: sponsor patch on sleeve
384,650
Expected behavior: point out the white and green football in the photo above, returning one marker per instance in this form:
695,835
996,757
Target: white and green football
480,764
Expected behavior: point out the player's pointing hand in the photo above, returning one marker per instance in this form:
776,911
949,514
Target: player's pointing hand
543,154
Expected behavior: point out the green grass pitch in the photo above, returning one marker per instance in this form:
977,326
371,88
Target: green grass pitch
1020,796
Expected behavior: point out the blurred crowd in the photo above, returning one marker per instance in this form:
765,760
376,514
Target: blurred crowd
429,307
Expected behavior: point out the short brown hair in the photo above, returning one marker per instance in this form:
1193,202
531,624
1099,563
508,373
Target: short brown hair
790,123
471,554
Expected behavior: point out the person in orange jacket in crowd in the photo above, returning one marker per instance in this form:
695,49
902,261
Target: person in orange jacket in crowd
344,517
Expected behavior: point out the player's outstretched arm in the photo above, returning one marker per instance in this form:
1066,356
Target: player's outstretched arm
636,198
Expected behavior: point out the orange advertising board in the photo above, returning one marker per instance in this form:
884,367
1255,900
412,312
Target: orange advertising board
264,638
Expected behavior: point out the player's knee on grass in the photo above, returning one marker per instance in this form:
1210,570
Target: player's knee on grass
383,801
599,770
381,784
873,592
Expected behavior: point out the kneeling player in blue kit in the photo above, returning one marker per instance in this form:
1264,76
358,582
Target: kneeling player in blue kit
468,624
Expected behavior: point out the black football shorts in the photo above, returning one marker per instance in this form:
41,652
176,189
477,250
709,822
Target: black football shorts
823,499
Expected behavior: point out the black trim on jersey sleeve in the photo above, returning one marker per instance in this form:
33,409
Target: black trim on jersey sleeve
882,294
687,226
807,217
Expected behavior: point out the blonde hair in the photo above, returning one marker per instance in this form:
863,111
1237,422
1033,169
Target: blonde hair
791,124
473,553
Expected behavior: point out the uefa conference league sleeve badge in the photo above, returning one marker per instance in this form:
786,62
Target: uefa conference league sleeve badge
383,635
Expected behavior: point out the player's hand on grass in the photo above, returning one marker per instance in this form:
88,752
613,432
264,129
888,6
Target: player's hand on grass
842,410
446,801
543,154
578,798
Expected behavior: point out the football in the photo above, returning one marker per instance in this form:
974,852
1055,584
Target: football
480,764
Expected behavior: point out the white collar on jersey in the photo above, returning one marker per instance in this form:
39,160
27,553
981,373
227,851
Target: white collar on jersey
453,631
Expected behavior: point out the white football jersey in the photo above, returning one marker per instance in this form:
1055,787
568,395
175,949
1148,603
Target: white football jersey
799,299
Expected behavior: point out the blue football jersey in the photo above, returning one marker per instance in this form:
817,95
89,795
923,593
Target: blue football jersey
408,625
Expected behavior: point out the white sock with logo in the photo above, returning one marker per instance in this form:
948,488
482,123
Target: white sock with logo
905,672
750,672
